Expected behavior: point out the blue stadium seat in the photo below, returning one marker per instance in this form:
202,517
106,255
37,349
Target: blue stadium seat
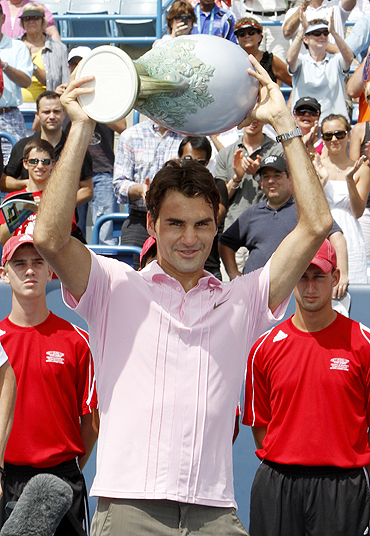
116,217
94,27
58,7
138,27
121,253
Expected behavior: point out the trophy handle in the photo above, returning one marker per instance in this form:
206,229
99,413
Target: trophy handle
176,85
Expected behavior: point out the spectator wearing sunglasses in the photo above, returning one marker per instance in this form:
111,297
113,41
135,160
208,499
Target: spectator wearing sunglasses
180,20
319,74
319,9
249,33
346,185
38,160
306,113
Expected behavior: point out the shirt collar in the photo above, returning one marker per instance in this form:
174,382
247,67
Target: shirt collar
154,273
263,204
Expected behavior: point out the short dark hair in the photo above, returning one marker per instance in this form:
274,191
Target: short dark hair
39,145
187,177
47,95
181,7
197,142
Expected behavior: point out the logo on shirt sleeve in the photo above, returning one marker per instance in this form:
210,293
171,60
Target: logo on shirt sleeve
280,336
54,357
2,332
339,363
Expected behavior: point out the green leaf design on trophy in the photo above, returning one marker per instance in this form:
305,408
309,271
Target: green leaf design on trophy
173,65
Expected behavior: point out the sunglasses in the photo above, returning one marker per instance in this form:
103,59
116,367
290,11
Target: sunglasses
339,134
304,111
317,33
35,161
250,31
182,17
33,17
200,160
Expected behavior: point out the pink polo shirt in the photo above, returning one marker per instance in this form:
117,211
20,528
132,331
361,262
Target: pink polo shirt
169,368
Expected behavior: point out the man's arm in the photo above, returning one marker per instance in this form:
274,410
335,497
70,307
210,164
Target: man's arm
10,184
228,258
296,251
15,75
356,84
85,192
259,433
340,245
88,436
8,391
53,224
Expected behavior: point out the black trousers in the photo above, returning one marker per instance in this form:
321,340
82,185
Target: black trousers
17,477
309,501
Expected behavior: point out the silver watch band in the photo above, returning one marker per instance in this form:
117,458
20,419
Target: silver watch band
289,135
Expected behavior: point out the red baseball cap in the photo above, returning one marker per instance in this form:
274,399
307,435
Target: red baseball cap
11,246
325,258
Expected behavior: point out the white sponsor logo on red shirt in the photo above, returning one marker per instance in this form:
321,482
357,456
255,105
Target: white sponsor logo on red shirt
2,332
339,363
280,336
54,357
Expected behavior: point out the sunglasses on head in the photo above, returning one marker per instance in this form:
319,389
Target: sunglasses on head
35,161
249,31
304,111
200,160
339,134
317,33
31,17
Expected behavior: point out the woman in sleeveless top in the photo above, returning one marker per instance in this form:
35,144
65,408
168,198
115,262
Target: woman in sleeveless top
346,185
249,33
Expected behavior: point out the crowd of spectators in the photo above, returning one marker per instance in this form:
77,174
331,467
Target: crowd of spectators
307,51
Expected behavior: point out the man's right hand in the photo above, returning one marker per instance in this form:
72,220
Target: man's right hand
70,102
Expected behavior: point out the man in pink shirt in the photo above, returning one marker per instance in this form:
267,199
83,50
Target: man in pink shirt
170,342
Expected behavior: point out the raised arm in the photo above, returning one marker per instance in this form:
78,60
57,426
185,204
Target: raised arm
358,182
8,390
295,47
291,25
344,50
314,219
357,137
356,83
69,258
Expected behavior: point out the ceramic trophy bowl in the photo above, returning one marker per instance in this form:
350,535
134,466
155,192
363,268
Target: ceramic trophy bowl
195,84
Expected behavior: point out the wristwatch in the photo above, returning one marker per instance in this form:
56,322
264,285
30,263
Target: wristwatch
289,135
5,66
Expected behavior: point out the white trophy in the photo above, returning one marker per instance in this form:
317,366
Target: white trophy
195,84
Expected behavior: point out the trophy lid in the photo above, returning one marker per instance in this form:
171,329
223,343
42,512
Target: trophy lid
116,84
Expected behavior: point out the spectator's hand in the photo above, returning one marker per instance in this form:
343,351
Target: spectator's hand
350,173
340,289
309,138
238,164
302,17
61,89
69,99
252,166
331,26
271,103
145,187
181,29
321,170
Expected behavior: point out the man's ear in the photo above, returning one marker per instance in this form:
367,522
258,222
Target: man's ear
150,223
50,274
335,277
4,275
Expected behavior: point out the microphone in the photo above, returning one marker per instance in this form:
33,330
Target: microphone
44,501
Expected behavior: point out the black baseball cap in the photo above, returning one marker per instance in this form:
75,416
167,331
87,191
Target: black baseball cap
273,161
307,102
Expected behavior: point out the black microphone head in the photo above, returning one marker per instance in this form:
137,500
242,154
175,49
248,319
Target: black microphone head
40,508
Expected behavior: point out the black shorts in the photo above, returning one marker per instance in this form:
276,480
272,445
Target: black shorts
309,501
17,477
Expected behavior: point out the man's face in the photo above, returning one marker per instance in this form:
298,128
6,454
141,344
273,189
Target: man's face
275,185
27,272
254,129
39,172
51,114
195,154
206,5
184,230
313,291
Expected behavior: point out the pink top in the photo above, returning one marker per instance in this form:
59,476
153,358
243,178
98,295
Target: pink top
17,29
169,367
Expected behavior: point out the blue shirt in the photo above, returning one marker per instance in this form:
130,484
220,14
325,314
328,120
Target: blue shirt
18,56
218,22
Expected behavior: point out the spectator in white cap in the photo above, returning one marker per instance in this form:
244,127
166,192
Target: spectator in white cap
50,67
319,74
